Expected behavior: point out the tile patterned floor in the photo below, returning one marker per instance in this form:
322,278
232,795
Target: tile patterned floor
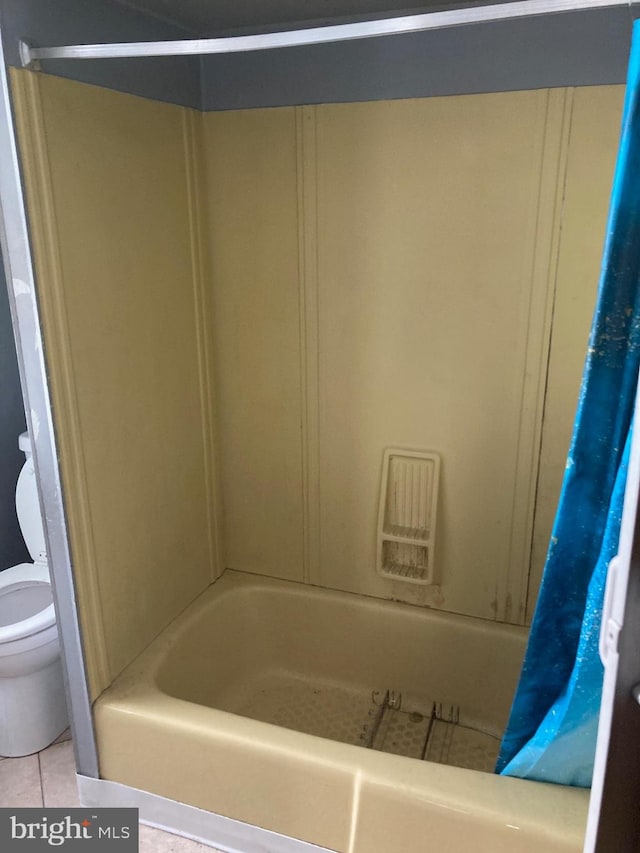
48,779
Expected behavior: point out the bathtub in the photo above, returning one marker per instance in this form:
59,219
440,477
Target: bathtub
257,704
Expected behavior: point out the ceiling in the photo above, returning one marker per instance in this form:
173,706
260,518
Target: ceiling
207,17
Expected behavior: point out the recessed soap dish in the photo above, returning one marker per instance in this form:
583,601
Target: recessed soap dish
407,515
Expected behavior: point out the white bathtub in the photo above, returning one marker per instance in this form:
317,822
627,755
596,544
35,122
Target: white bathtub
186,721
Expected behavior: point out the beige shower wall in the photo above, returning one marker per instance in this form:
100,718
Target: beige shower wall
384,274
253,221
113,195
595,130
358,276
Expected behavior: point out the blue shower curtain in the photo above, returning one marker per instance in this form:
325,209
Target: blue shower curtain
552,729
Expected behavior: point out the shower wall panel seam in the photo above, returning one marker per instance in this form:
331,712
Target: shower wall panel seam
530,595
308,281
509,580
537,279
31,124
204,327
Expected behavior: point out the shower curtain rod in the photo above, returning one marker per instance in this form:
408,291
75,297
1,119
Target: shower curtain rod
30,54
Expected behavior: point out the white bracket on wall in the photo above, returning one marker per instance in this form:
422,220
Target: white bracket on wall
407,516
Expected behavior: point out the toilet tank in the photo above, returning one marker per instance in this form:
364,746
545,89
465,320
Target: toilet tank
28,506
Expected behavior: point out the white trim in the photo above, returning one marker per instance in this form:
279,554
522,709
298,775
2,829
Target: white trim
224,833
318,35
613,612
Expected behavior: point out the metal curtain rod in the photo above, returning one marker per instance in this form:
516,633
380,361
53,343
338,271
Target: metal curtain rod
317,35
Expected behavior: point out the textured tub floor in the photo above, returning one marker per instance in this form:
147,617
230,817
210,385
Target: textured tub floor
354,716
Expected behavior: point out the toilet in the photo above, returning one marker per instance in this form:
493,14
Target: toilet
33,708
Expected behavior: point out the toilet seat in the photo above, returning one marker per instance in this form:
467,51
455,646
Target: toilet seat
19,577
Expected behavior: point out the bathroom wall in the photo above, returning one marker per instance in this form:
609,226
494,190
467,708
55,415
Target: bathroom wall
348,277
584,47
113,192
12,423
253,221
592,146
173,79
404,273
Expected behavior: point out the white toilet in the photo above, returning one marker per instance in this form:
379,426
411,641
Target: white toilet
33,709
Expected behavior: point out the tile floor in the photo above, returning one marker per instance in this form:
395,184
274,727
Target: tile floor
48,779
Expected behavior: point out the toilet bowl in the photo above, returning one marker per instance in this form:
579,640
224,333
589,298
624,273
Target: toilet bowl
33,709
